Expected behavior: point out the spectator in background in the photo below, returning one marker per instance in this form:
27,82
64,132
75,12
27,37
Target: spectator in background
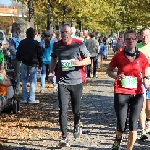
13,45
103,50
114,43
51,35
100,40
139,38
37,36
105,41
119,44
110,41
93,47
86,35
46,60
73,35
57,36
81,37
29,52
42,39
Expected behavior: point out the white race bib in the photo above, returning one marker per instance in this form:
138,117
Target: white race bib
66,65
129,82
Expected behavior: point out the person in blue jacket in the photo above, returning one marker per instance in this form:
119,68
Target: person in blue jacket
103,50
13,45
47,46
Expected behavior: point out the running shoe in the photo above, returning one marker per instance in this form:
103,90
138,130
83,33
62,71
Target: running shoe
77,132
64,142
143,137
23,102
33,101
116,145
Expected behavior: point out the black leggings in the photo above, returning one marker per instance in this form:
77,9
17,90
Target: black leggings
65,93
125,104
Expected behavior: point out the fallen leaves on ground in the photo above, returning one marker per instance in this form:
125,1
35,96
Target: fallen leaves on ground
35,121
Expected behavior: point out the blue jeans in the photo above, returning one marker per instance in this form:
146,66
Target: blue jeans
44,74
105,54
28,72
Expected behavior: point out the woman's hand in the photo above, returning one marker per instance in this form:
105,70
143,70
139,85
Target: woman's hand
120,76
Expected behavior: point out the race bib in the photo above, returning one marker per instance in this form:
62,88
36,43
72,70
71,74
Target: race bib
129,82
66,65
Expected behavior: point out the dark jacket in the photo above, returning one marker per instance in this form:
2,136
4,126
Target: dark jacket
29,52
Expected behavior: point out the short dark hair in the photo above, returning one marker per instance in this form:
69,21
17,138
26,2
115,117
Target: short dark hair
143,29
30,33
92,34
129,31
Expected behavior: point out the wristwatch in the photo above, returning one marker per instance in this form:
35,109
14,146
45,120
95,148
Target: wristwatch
146,77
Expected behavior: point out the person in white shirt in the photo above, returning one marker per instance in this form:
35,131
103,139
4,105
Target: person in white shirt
37,36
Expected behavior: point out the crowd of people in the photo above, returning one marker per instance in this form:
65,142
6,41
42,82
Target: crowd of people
67,59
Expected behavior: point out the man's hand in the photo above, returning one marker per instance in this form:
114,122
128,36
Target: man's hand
76,63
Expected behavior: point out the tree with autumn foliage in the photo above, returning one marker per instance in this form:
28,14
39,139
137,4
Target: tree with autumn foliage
103,15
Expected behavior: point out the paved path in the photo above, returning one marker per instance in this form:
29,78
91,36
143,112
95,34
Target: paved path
36,127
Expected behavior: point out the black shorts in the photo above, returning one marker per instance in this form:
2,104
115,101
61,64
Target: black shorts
128,106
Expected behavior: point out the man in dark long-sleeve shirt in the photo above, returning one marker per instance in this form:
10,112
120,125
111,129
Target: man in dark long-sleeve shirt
29,52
